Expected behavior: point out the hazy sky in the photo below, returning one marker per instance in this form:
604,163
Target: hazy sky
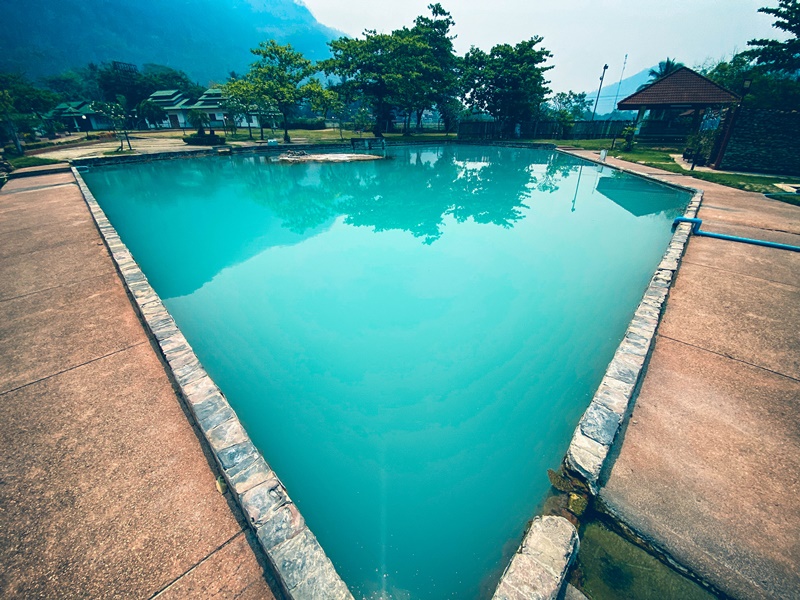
581,34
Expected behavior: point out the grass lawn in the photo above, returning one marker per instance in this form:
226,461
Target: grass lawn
311,136
20,162
118,152
659,157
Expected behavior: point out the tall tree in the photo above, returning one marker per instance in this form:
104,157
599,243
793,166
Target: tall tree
370,70
409,70
567,107
776,55
768,89
150,112
664,68
445,73
7,115
117,115
240,100
278,75
508,82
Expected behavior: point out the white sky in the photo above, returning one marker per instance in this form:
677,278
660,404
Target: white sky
581,34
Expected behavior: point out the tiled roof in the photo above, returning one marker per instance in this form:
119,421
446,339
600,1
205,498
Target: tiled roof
71,109
163,93
211,98
683,87
169,99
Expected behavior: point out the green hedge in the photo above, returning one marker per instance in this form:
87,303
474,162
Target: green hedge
307,124
204,140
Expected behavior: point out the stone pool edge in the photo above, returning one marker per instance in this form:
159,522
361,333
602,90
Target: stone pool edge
597,430
299,563
540,565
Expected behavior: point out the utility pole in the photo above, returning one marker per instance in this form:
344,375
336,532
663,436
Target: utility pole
619,85
605,68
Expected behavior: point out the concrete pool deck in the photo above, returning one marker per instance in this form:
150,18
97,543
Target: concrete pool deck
708,471
731,307
105,489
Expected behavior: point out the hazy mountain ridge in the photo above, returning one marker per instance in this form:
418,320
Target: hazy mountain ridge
609,92
205,38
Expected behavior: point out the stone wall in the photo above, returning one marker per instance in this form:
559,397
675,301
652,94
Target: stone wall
766,141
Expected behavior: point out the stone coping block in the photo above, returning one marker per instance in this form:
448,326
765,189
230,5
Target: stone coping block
298,562
597,430
538,569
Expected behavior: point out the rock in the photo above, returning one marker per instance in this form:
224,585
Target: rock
577,504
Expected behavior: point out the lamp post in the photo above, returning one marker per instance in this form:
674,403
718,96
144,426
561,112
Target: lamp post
729,129
605,68
85,125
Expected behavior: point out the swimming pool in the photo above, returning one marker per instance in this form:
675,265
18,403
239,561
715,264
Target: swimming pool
410,342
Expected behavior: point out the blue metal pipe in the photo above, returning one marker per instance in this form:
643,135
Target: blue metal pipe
733,238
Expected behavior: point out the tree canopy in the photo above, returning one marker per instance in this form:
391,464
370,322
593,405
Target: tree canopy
278,75
508,82
776,55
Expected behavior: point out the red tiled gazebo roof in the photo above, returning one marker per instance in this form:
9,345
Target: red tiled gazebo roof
681,88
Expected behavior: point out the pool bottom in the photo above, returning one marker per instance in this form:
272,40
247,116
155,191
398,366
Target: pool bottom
609,567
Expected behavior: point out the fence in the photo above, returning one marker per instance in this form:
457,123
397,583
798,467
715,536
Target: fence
579,130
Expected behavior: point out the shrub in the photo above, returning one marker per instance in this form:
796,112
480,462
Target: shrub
317,123
37,145
204,140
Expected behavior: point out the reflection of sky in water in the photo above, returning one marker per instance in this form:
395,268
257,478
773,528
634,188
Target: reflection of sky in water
410,342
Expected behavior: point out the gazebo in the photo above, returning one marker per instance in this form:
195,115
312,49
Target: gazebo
682,94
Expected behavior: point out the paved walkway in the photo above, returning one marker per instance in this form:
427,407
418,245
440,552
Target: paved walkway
709,469
105,490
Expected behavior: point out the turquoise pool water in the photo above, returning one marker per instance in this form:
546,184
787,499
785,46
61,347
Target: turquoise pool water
410,342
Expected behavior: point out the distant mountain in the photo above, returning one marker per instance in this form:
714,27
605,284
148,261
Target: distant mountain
205,38
609,92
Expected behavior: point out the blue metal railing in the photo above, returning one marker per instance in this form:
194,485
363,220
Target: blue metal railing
733,238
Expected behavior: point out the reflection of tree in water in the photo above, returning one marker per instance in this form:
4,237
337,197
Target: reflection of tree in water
414,190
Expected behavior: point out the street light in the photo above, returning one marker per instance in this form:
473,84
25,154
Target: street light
605,68
85,125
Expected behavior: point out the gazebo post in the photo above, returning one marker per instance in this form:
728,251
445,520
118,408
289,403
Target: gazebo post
640,119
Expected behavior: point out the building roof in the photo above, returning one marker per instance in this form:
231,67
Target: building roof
170,99
71,109
682,88
211,99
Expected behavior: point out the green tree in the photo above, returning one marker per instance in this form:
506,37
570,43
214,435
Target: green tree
568,107
409,70
371,71
326,101
69,85
198,119
160,77
117,115
444,87
240,100
508,82
7,115
768,89
664,68
278,75
26,97
776,55
151,112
